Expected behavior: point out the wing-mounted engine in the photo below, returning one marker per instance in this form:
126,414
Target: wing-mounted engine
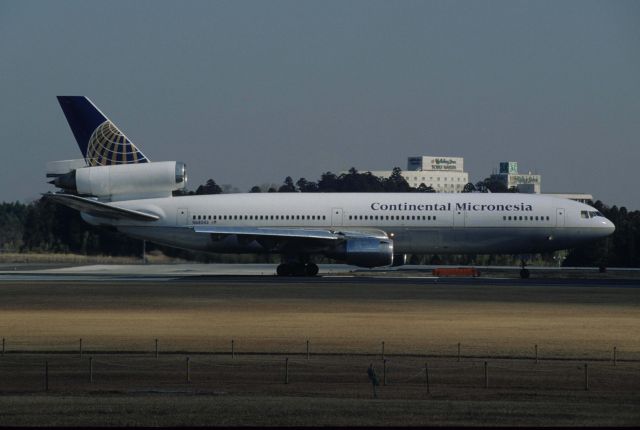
364,251
124,181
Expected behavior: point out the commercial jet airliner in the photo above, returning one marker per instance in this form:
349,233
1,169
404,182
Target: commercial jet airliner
116,185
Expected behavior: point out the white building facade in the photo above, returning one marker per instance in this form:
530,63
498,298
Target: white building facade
523,182
443,174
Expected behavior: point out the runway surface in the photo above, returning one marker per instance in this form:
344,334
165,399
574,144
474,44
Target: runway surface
345,315
340,313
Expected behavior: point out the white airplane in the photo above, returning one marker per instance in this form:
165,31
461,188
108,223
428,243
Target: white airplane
116,185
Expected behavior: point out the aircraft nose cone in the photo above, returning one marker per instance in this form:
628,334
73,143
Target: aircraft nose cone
609,227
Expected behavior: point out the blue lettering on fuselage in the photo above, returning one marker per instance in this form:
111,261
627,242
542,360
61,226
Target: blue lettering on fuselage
472,207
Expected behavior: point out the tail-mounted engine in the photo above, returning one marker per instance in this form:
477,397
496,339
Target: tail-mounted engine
124,181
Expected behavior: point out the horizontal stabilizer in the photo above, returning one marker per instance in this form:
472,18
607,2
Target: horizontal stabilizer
98,209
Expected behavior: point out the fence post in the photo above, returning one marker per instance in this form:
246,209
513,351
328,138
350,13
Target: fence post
91,370
233,352
458,351
188,372
80,348
286,370
536,353
383,349
156,348
307,349
46,376
384,372
486,375
586,377
614,356
426,372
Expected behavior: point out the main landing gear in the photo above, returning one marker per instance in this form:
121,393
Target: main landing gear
297,269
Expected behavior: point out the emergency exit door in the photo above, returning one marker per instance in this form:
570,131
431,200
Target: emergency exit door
560,217
336,217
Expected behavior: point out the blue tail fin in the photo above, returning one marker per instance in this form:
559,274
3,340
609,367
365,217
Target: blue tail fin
99,139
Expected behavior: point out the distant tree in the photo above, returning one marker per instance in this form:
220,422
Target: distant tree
210,187
422,188
354,182
229,189
469,188
306,186
396,183
491,185
328,183
12,218
288,186
272,190
255,189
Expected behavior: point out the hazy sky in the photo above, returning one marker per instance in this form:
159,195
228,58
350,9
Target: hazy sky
248,92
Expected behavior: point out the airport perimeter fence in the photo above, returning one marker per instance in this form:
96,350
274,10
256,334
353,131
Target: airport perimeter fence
155,370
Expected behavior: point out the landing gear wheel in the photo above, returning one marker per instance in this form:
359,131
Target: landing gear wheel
311,269
298,270
284,270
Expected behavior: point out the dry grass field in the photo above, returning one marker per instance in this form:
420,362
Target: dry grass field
345,323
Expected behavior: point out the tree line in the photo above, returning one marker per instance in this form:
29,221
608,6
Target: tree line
43,226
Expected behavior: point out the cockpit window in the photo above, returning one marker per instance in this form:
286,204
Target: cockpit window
584,214
594,214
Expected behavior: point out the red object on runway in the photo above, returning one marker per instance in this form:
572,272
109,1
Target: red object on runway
457,271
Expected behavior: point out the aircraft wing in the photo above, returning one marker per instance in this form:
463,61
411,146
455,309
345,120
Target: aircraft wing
287,232
275,232
98,209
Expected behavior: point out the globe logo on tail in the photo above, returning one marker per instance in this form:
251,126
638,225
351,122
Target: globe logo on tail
108,146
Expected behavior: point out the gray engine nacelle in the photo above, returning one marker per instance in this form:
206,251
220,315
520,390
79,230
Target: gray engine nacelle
364,252
125,181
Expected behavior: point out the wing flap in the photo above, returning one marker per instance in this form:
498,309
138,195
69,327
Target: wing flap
98,209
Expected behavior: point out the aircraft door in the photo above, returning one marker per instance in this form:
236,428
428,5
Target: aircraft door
336,217
458,218
459,233
559,217
182,216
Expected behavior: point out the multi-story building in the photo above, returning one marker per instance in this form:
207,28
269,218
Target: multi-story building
523,182
443,174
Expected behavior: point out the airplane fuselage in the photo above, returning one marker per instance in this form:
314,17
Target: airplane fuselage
416,222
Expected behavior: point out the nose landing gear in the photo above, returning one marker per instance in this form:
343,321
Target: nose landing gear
524,272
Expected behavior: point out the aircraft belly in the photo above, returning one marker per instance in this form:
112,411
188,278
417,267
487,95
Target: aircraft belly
478,240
